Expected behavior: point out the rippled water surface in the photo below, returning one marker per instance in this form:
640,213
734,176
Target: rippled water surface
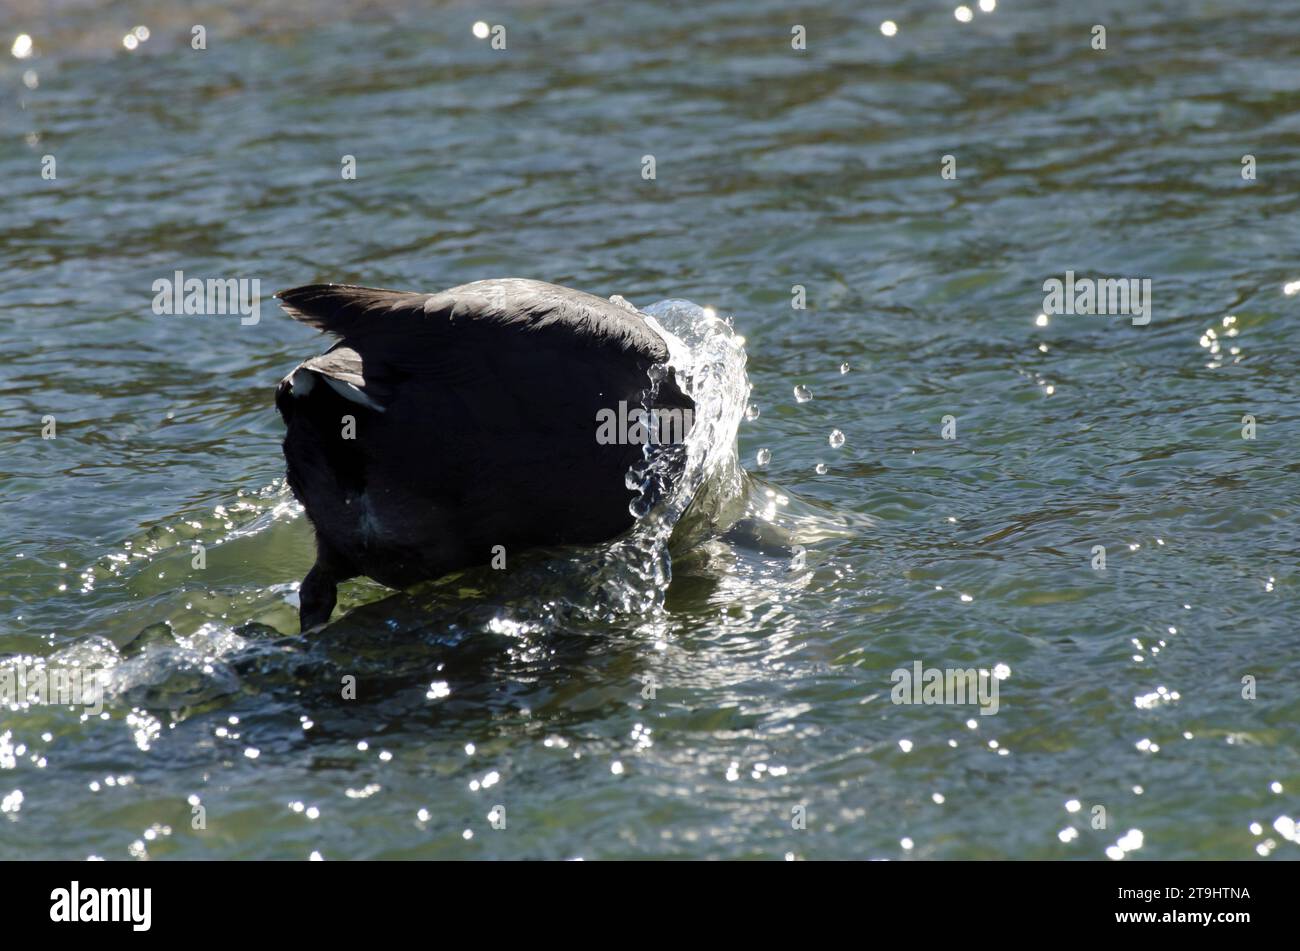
713,716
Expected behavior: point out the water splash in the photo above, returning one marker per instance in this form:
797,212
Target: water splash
687,491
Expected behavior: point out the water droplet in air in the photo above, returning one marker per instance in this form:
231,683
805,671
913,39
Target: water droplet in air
751,411
802,394
764,456
836,439
844,368
821,468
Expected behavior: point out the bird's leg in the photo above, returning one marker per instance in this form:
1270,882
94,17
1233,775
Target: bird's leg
317,596
319,591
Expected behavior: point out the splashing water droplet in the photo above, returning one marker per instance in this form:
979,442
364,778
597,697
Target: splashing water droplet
802,394
764,457
836,439
821,468
844,368
751,412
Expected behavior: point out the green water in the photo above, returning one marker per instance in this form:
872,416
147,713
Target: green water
771,707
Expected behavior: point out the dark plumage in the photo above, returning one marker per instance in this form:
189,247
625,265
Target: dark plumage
475,425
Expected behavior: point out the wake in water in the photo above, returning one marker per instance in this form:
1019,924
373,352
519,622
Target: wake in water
696,492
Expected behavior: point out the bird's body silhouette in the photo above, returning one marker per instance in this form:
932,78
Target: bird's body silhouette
442,429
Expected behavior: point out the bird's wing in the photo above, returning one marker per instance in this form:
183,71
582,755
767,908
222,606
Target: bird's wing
481,313
489,344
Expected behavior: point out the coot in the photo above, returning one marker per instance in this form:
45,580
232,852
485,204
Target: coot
441,426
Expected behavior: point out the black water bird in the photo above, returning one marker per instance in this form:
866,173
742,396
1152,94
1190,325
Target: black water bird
440,426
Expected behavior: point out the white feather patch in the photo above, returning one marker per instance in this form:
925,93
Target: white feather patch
300,384
351,393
